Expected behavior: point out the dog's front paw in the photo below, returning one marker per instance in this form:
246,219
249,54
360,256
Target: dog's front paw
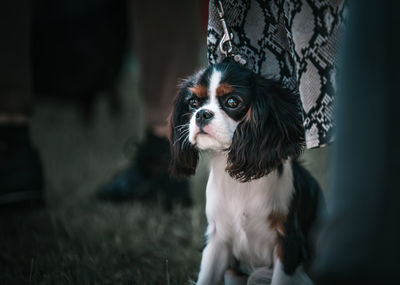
261,276
232,277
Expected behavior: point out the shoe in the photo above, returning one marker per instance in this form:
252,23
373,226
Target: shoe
147,177
21,171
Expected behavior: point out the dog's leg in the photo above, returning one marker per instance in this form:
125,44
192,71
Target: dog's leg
214,262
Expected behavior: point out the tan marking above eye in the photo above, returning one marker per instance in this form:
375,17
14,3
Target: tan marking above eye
224,88
199,90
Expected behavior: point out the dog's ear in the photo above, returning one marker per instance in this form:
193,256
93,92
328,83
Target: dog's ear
184,156
271,131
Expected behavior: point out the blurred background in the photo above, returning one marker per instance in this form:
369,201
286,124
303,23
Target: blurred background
86,117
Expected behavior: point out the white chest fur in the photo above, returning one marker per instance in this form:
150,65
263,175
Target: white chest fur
237,213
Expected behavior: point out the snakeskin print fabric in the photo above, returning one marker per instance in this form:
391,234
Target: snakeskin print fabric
293,41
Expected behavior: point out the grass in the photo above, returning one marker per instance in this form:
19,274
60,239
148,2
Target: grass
77,239
102,244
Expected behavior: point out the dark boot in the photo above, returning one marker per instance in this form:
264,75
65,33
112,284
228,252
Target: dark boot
147,176
21,171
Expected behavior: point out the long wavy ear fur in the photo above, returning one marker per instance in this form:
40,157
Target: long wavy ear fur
271,132
184,156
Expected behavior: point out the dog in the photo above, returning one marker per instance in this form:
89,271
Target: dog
260,202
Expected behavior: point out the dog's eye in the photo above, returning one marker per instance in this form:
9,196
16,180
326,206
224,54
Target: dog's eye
232,102
194,103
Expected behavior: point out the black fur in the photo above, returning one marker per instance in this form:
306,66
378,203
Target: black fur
184,156
271,132
307,201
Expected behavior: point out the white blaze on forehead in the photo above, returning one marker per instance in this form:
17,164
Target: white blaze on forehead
215,80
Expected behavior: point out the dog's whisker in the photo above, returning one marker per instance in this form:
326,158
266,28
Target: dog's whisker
184,133
186,140
177,140
182,126
185,114
181,137
179,128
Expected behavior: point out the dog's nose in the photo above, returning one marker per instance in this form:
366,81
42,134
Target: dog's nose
203,117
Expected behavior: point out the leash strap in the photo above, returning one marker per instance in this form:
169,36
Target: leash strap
225,45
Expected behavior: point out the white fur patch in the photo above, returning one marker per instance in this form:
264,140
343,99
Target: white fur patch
237,215
215,80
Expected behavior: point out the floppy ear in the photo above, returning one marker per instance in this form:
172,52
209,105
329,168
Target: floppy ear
272,131
184,156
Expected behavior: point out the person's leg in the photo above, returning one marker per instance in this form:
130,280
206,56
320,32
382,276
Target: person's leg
167,45
15,81
359,242
20,168
166,37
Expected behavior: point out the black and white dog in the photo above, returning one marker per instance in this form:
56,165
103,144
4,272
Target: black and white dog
261,203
